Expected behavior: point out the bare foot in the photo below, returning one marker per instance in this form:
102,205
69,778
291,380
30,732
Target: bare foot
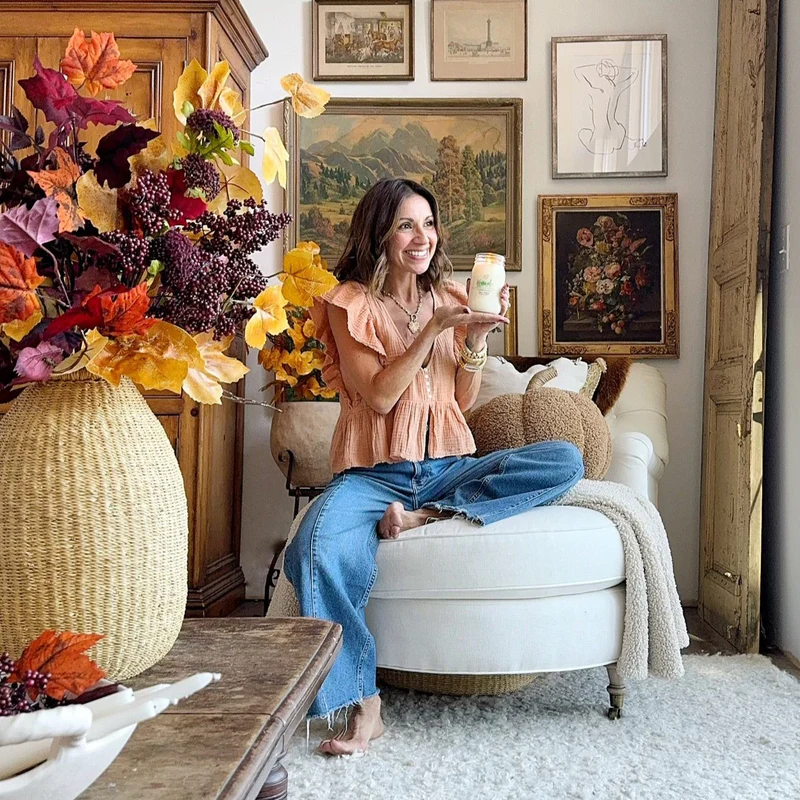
396,519
364,724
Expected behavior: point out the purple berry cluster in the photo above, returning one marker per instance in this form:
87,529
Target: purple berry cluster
21,697
202,122
148,201
134,259
201,174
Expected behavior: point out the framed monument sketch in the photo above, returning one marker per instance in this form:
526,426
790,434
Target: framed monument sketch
609,115
362,40
467,150
479,40
608,275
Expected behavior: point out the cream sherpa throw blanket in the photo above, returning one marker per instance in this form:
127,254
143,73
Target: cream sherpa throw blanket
654,630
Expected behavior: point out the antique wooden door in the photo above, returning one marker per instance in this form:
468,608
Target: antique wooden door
730,568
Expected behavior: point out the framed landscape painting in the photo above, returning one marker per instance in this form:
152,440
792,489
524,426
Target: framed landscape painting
361,40
608,275
466,151
479,40
609,114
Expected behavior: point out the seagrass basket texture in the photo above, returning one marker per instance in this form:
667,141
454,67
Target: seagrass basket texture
93,522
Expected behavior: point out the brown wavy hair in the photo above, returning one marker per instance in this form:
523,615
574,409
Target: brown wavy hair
374,221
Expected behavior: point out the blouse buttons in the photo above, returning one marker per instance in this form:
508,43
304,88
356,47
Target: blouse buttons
427,382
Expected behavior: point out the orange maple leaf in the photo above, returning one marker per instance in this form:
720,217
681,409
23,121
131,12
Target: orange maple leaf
63,656
18,282
95,63
60,183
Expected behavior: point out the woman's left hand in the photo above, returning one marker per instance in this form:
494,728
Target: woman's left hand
476,334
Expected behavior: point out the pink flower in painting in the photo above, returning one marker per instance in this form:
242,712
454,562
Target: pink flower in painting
37,363
598,305
592,274
612,270
606,223
585,237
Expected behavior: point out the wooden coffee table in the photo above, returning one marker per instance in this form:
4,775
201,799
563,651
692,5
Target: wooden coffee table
227,740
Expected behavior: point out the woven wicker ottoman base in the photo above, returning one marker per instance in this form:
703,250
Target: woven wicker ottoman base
456,684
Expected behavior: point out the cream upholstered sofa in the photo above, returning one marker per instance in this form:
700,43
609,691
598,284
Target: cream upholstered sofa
464,609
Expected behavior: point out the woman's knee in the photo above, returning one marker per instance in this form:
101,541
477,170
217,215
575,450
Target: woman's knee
571,459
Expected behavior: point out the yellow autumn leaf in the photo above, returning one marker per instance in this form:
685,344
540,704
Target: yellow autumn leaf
307,100
302,279
187,88
314,249
317,358
270,317
309,329
317,390
275,157
99,205
160,358
231,103
20,328
270,358
212,86
238,183
300,361
296,334
156,157
203,384
284,377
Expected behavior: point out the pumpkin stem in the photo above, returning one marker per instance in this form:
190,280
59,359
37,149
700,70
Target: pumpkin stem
541,378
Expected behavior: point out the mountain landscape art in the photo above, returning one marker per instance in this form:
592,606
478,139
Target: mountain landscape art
462,157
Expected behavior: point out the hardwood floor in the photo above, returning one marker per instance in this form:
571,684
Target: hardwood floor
704,640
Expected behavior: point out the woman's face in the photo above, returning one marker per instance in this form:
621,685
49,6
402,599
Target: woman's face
413,242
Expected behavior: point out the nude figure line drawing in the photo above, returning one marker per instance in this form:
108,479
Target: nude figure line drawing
605,82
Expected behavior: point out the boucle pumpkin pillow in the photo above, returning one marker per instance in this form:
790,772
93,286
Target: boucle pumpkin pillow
543,414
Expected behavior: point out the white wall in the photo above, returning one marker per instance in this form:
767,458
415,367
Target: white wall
781,551
691,27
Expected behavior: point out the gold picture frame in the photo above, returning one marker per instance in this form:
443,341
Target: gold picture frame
479,40
608,275
504,340
368,138
362,40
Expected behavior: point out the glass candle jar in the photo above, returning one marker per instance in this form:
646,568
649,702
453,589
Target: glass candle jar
486,282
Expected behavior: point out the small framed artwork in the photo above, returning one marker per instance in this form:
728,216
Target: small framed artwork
608,275
468,151
363,40
609,115
504,340
479,40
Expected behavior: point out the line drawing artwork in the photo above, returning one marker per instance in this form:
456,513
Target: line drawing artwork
605,82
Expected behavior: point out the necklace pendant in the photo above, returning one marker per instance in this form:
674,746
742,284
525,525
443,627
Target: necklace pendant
413,326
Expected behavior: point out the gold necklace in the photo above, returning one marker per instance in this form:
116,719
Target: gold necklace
413,323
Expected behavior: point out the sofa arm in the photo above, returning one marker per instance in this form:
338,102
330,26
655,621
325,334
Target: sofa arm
635,464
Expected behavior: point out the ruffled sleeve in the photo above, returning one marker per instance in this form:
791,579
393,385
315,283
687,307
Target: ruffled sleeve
352,297
455,294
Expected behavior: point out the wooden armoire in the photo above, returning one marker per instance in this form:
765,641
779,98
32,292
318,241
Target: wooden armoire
161,37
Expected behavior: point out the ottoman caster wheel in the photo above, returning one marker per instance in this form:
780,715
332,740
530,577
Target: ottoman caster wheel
614,713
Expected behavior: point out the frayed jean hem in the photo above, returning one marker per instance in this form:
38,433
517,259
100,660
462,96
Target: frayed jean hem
331,715
458,513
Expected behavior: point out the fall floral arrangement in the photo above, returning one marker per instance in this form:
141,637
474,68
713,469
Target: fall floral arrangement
134,258
53,670
296,356
608,275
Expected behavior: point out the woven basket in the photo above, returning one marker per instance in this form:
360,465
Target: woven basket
93,522
456,684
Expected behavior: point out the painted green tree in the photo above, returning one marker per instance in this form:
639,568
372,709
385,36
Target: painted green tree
448,182
473,186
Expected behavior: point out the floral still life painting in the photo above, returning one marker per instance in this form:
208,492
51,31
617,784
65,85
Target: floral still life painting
468,152
608,275
133,257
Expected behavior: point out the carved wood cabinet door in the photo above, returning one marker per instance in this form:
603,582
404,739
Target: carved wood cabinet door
730,568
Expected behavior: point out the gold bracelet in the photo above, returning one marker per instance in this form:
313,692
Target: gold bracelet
470,360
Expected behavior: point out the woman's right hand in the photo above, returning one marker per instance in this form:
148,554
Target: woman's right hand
448,316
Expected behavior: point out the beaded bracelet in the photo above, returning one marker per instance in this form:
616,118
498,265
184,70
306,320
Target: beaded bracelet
472,361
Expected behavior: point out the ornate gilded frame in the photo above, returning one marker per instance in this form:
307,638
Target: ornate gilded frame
510,109
549,343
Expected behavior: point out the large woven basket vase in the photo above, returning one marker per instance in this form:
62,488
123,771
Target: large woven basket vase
93,522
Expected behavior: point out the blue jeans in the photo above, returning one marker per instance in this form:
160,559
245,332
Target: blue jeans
331,560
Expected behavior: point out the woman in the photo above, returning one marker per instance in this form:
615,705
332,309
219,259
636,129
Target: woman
405,353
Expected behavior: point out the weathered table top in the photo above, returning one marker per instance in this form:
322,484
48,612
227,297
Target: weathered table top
223,741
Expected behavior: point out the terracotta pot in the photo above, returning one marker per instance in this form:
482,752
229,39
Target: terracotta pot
93,522
305,428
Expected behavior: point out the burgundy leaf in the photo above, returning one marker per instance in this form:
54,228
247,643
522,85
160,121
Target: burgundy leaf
114,150
49,91
90,111
92,244
17,125
96,276
27,228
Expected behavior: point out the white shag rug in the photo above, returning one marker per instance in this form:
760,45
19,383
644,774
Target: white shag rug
728,730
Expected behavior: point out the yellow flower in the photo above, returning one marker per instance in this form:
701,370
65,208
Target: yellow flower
300,362
207,90
284,377
297,336
302,279
202,383
309,329
313,385
307,100
270,358
275,157
317,358
270,317
602,247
